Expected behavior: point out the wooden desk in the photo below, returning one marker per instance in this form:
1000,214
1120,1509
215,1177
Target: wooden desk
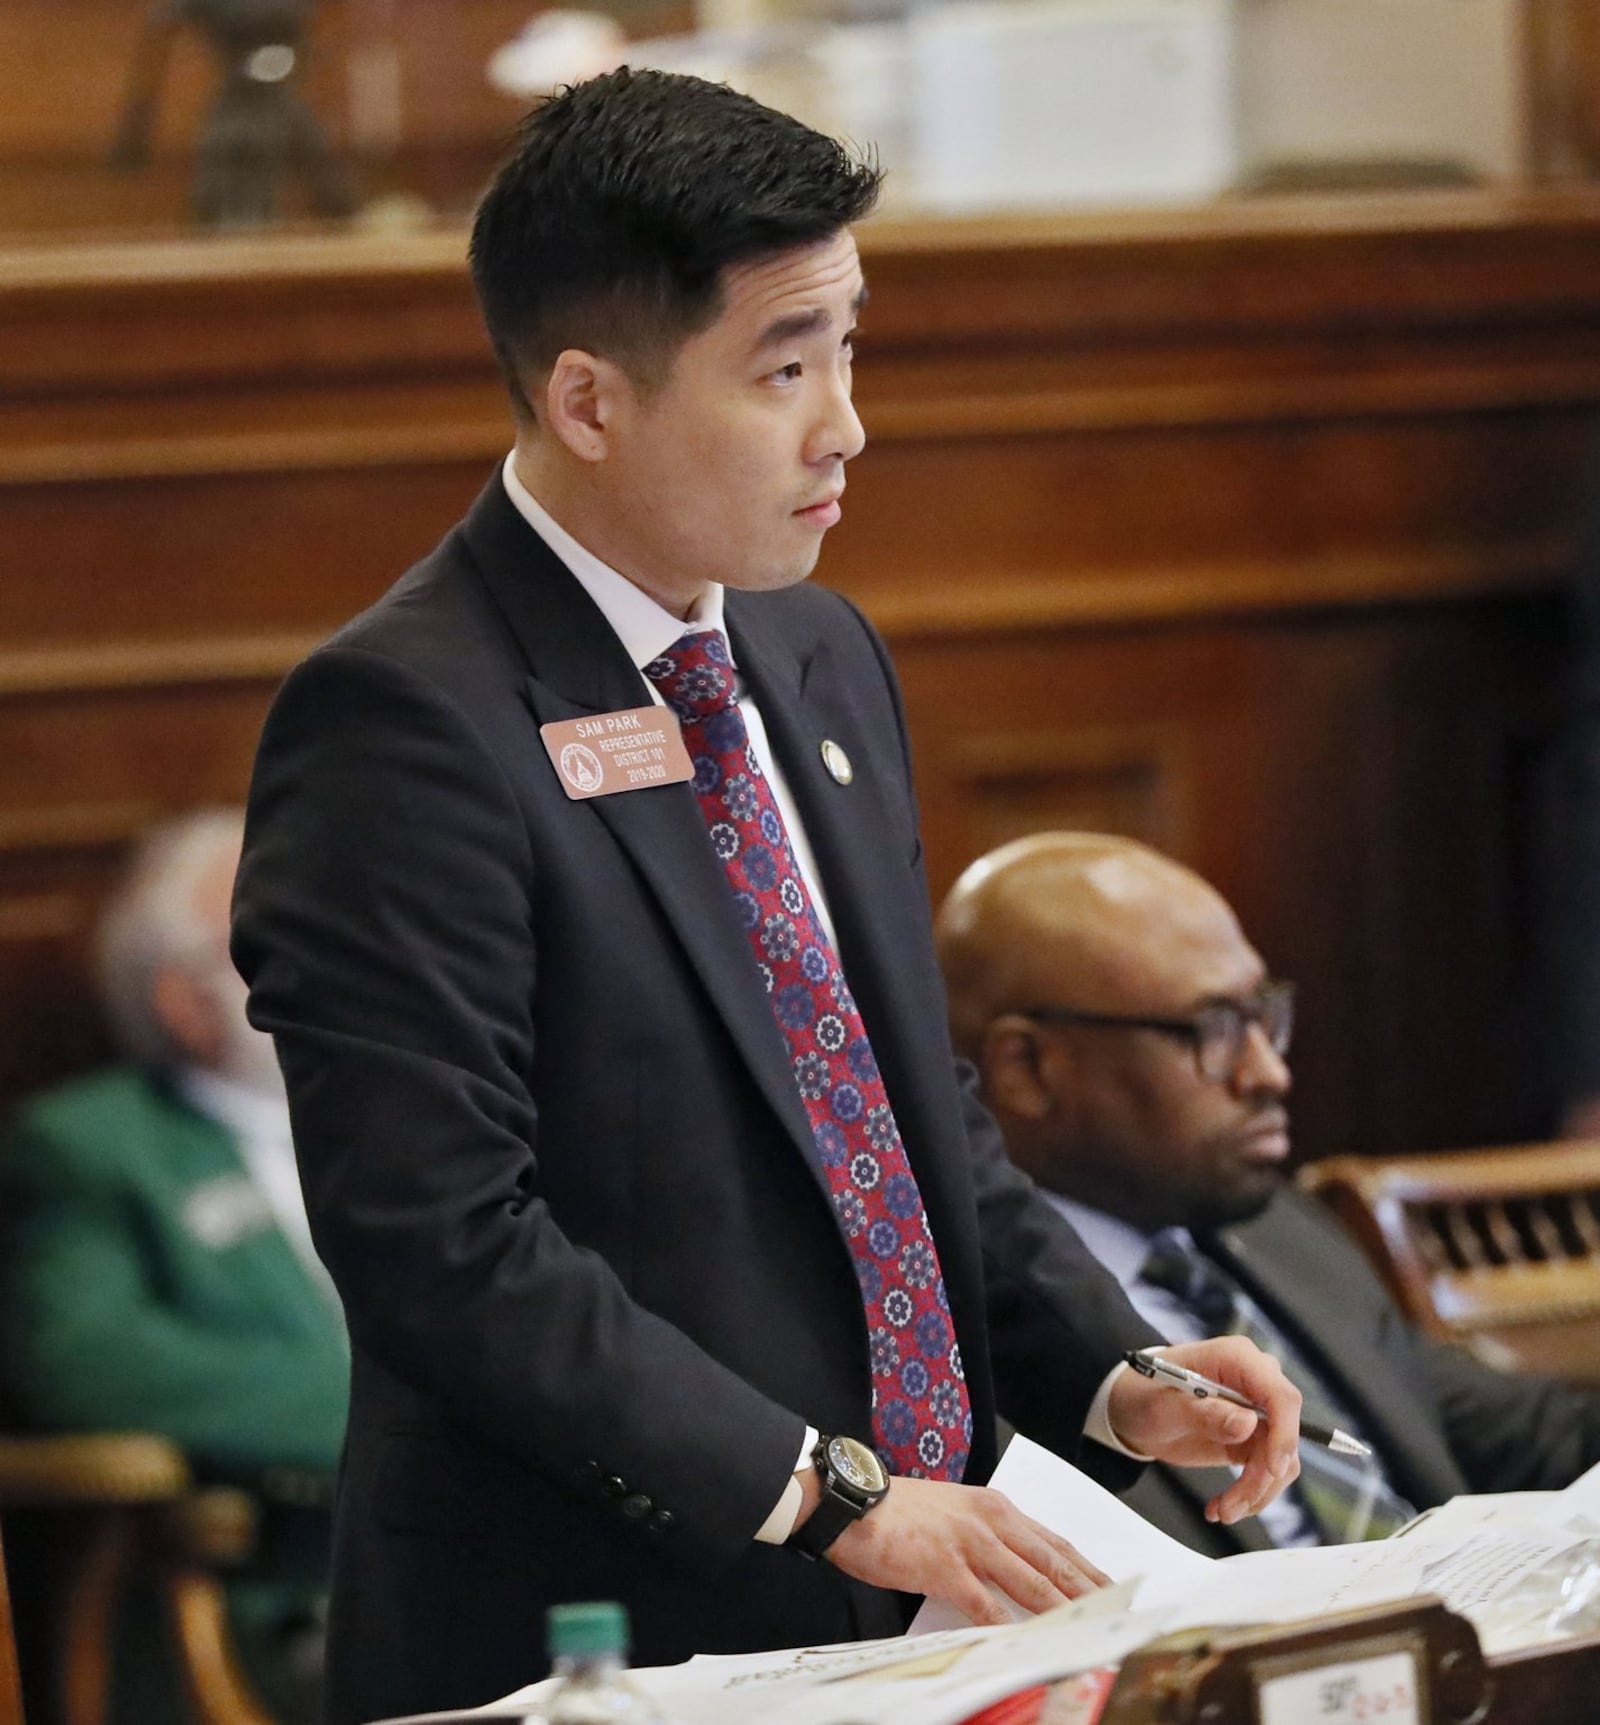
1551,1686
1214,1678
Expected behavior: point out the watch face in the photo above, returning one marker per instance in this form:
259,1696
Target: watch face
856,1465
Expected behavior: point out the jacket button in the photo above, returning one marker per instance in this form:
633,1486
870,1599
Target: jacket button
589,1471
616,1486
637,1507
663,1521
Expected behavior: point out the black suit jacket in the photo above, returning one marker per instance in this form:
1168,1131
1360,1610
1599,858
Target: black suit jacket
552,1149
1443,1422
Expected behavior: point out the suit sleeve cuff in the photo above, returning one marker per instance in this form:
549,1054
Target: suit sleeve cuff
786,1511
1098,1423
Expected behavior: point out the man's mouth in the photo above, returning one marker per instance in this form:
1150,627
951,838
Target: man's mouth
823,513
1267,1140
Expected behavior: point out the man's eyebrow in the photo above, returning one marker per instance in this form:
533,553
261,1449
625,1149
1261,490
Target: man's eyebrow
1239,997
801,324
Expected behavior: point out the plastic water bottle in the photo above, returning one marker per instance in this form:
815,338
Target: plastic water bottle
588,1644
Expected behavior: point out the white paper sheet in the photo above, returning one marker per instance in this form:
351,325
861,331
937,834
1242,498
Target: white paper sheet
935,1680
1474,1552
1112,1536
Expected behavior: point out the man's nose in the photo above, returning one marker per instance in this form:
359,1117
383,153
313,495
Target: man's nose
1261,1067
839,433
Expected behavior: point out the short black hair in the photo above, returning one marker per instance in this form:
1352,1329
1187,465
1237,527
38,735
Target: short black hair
626,198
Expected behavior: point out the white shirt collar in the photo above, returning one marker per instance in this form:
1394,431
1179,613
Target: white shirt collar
645,628
1118,1245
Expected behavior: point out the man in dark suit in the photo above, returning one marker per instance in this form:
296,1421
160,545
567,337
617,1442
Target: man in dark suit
1133,1050
631,1195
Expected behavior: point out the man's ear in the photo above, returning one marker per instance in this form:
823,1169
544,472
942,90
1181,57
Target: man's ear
1011,1061
584,397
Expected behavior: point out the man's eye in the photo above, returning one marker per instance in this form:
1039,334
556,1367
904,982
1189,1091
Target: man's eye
788,373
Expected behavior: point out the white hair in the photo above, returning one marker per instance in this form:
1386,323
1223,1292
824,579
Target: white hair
152,922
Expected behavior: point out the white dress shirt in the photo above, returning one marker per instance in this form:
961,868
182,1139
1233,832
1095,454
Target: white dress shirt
646,629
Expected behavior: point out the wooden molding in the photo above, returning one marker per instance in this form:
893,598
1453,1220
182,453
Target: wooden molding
91,669
84,828
1002,604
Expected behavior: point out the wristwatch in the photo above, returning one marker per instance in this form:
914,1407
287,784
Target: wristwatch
853,1481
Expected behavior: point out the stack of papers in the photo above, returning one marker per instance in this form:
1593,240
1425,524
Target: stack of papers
1478,1554
1481,1555
936,1679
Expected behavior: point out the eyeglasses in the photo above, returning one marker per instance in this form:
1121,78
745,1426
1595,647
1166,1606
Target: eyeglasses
1216,1031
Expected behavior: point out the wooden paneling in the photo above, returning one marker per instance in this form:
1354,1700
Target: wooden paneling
1242,532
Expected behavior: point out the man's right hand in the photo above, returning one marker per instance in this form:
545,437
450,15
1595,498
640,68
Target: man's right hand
955,1542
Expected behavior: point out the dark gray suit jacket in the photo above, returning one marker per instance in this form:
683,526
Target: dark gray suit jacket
1443,1423
552,1148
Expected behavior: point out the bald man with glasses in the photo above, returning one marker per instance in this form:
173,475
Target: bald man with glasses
1134,1050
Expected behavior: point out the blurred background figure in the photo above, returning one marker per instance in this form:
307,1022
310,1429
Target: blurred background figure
259,132
1134,1050
158,1273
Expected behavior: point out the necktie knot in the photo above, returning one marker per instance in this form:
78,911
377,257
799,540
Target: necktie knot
1177,1265
695,675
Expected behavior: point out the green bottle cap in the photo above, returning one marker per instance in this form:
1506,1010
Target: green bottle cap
587,1629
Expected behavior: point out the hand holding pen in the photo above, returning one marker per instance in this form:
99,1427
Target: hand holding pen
1148,1363
1260,1448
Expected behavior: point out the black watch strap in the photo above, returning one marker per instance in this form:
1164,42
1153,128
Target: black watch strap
824,1525
848,1492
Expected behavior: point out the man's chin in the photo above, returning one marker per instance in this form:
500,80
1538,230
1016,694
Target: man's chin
1243,1203
778,573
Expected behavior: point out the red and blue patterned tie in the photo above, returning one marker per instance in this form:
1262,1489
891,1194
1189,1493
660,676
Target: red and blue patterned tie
921,1420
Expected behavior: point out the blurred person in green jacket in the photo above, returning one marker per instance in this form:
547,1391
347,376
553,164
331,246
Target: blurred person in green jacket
157,1272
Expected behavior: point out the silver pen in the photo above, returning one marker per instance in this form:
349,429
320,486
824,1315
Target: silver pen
1150,1364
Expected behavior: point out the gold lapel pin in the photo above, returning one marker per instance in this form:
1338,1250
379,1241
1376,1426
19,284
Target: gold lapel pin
837,762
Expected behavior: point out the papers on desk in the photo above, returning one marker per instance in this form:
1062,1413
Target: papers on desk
1479,1554
1112,1536
938,1679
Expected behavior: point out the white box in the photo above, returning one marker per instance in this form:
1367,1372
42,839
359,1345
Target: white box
1329,81
1035,102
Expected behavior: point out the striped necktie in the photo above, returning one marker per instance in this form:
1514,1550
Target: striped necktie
1347,1497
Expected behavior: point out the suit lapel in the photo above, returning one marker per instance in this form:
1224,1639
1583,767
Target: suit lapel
803,703
879,915
1277,1258
579,667
793,691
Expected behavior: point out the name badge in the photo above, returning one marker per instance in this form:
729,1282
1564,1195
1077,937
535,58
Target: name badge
629,750
1382,1690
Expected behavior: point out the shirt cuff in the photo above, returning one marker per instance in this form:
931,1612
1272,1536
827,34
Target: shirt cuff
786,1511
1098,1424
